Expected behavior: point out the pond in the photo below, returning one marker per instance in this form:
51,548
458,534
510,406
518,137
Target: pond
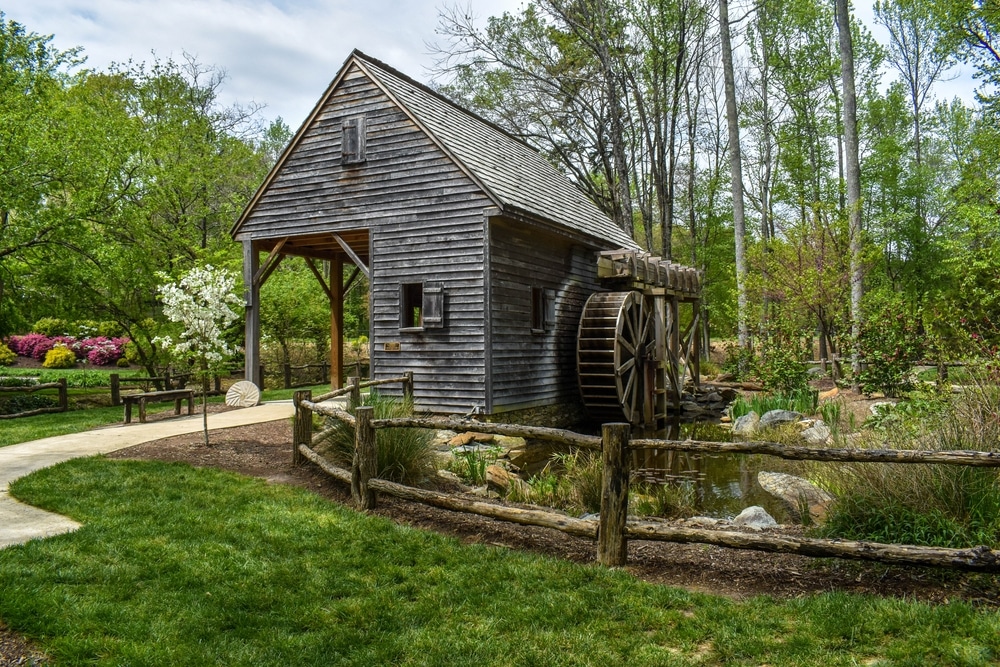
723,485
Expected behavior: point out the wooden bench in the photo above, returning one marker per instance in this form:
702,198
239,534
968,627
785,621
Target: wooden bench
177,395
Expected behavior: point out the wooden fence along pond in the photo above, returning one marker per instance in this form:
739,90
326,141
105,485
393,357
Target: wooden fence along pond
613,528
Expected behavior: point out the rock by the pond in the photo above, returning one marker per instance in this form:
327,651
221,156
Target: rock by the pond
465,438
798,495
449,476
778,417
502,481
817,434
702,522
755,517
877,406
747,424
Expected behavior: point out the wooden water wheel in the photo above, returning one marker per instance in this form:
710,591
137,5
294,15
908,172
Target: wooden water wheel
616,356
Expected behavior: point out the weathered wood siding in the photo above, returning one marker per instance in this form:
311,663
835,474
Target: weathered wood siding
532,369
426,224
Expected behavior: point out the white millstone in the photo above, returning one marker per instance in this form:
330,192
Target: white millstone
243,394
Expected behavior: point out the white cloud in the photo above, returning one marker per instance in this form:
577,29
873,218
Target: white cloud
282,53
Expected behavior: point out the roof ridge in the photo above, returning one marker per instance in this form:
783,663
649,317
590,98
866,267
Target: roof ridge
357,53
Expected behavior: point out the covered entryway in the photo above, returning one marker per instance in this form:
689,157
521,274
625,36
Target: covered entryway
326,255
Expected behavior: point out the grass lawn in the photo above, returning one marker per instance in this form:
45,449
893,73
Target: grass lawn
24,429
184,566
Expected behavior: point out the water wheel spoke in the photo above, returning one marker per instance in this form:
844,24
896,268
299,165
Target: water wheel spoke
627,366
626,345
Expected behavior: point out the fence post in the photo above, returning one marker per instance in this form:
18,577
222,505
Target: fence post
324,372
286,371
63,395
262,381
365,464
302,430
116,389
408,386
355,383
612,547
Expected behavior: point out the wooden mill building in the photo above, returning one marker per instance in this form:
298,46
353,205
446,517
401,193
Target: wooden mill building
480,255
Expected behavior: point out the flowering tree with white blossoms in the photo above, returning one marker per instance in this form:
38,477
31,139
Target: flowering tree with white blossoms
204,303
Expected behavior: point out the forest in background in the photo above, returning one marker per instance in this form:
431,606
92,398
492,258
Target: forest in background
110,179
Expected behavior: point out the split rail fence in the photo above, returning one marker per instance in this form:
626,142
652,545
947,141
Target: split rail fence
62,404
613,529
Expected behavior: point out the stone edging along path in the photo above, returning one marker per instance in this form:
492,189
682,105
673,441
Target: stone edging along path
20,523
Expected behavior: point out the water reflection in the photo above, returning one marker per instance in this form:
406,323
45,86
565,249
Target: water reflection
722,485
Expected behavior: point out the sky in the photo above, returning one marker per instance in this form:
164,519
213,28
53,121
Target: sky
279,53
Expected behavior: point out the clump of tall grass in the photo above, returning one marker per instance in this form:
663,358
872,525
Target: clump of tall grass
571,482
803,401
935,505
405,455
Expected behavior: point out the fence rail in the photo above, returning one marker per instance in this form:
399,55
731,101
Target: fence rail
63,398
613,529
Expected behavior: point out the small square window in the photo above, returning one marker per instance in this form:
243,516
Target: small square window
411,303
353,140
538,309
421,306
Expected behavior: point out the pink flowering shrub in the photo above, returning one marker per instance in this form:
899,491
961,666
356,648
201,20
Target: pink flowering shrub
98,350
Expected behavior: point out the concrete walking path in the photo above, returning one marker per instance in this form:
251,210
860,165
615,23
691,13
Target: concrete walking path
20,523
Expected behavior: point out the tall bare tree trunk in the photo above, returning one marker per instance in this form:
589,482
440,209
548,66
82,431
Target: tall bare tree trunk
853,178
736,171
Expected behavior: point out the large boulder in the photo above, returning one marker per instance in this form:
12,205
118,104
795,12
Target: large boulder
755,517
817,434
747,424
779,417
804,501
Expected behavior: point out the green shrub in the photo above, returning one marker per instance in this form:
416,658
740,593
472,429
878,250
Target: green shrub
404,454
890,343
122,363
60,356
7,356
50,326
19,403
935,505
740,362
780,367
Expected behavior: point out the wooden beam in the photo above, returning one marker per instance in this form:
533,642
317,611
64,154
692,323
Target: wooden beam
252,303
336,324
269,269
353,255
270,258
351,281
319,277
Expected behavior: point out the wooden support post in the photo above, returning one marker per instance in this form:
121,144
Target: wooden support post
286,373
252,369
355,391
336,324
63,395
612,548
696,344
167,386
324,369
302,429
116,389
408,386
365,465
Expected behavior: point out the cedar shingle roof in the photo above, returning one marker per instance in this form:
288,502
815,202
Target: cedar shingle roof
516,175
